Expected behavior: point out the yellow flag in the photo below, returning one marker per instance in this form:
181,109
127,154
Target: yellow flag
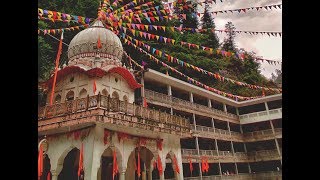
172,29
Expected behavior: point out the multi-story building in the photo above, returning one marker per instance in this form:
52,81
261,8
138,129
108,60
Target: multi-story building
98,104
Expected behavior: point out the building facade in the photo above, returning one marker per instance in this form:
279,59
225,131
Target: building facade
157,125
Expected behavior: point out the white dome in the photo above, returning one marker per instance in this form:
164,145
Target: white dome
83,47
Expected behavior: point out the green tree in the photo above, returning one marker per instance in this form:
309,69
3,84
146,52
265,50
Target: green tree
229,43
208,23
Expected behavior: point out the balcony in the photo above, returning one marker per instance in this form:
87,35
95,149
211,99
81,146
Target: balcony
262,135
261,116
103,109
227,156
214,133
272,175
183,105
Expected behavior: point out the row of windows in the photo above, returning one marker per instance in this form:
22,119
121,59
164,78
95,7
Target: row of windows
83,93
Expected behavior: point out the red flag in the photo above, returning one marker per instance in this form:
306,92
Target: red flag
207,165
99,46
176,164
40,162
138,169
159,164
49,176
145,104
80,168
115,169
94,87
190,165
56,68
203,167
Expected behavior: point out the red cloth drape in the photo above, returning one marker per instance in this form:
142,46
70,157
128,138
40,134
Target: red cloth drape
139,168
49,176
176,164
207,165
80,168
190,165
115,168
56,68
203,167
94,87
145,104
40,162
99,46
159,164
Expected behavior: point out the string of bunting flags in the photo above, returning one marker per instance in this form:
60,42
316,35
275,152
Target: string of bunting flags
188,65
56,31
162,39
189,79
132,61
196,30
244,9
58,16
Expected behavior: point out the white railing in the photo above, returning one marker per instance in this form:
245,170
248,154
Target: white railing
187,104
260,116
264,153
266,132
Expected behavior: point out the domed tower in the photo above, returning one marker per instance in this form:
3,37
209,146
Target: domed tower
94,122
94,67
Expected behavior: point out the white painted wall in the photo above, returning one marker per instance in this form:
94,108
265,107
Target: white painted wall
83,81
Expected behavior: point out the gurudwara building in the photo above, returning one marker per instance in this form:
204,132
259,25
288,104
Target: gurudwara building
156,126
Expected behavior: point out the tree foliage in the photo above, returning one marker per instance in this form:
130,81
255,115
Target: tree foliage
242,70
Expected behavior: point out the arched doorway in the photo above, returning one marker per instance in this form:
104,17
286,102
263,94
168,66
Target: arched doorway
70,166
57,99
104,92
146,157
70,96
106,165
83,93
169,172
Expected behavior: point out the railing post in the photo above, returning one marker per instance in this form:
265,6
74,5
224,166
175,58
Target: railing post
108,107
99,100
87,102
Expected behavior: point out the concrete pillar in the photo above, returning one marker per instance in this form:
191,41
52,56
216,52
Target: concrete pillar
224,107
209,103
236,167
249,168
217,149
169,90
122,174
191,97
149,172
54,175
142,88
237,111
278,149
194,120
198,151
212,121
272,127
171,111
267,108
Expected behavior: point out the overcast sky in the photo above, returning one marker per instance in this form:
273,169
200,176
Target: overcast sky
253,20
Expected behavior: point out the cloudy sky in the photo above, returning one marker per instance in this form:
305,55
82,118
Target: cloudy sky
253,20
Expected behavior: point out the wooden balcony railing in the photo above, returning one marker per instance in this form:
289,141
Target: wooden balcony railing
237,156
152,95
205,131
105,103
272,175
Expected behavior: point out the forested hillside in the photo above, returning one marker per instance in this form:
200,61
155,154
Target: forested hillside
245,70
